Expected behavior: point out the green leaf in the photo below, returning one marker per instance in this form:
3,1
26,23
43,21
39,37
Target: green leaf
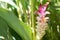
21,28
24,3
14,34
4,31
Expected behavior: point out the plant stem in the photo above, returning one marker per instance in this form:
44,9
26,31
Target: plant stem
32,18
25,15
18,10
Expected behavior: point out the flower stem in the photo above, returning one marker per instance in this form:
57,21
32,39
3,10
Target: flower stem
32,18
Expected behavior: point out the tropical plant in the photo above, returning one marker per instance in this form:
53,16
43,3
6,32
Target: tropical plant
27,20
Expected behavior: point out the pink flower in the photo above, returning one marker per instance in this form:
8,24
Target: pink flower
42,12
42,9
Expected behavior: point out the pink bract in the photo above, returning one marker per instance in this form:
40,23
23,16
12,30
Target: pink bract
42,9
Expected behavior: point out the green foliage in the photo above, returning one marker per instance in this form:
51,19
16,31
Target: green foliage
11,25
15,24
4,30
52,33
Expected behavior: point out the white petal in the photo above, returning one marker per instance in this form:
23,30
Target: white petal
46,17
47,12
